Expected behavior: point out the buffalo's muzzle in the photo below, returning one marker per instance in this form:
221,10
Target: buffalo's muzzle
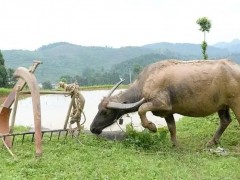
95,131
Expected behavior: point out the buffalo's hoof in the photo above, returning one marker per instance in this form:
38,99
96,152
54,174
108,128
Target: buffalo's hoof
212,143
174,144
152,127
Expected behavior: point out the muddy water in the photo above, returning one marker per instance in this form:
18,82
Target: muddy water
54,110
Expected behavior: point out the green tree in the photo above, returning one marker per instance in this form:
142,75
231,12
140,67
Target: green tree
205,26
3,73
137,68
47,85
11,80
67,79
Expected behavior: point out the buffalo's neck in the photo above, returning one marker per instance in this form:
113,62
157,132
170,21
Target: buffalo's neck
131,95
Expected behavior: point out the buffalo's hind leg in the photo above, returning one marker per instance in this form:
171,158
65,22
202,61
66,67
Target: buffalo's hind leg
236,109
225,120
172,128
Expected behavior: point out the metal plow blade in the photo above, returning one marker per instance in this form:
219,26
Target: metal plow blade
52,134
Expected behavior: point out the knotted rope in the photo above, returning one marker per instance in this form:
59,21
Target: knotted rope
77,105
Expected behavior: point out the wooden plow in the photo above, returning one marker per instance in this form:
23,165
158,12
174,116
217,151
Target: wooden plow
26,76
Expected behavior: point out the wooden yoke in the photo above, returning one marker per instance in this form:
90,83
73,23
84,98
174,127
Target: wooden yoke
5,108
32,83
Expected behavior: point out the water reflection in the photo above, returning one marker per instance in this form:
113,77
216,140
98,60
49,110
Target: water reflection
54,110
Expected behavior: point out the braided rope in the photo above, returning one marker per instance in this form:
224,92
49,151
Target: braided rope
78,103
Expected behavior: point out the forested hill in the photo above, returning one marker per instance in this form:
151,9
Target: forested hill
69,59
63,58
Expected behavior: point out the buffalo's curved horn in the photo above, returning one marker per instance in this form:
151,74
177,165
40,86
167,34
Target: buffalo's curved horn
115,87
33,86
115,105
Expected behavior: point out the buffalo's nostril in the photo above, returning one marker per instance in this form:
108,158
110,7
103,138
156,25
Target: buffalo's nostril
95,131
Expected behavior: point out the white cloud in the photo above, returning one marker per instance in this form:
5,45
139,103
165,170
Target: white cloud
29,24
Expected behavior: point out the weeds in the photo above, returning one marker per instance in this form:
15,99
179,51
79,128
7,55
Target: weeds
146,140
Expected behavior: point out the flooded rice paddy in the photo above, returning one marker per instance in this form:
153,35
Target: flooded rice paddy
54,111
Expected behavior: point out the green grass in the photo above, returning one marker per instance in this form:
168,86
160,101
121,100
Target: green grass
140,156
4,91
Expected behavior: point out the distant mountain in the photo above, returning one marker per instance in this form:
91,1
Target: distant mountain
63,58
232,47
188,50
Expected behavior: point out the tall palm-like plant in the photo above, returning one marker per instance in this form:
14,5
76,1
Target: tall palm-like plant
205,26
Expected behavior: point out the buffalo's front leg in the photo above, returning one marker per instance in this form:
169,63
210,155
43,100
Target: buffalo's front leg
172,128
143,109
225,120
160,104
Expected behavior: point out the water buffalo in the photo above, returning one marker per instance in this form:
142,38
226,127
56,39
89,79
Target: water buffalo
190,88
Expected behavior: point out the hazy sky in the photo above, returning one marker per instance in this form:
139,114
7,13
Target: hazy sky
29,24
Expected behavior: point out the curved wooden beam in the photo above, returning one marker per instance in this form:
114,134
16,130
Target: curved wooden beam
5,108
32,83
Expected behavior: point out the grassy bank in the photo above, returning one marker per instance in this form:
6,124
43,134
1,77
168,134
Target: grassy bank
140,156
3,94
4,91
100,87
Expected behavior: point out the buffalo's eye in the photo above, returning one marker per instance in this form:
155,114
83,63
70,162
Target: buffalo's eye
104,112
